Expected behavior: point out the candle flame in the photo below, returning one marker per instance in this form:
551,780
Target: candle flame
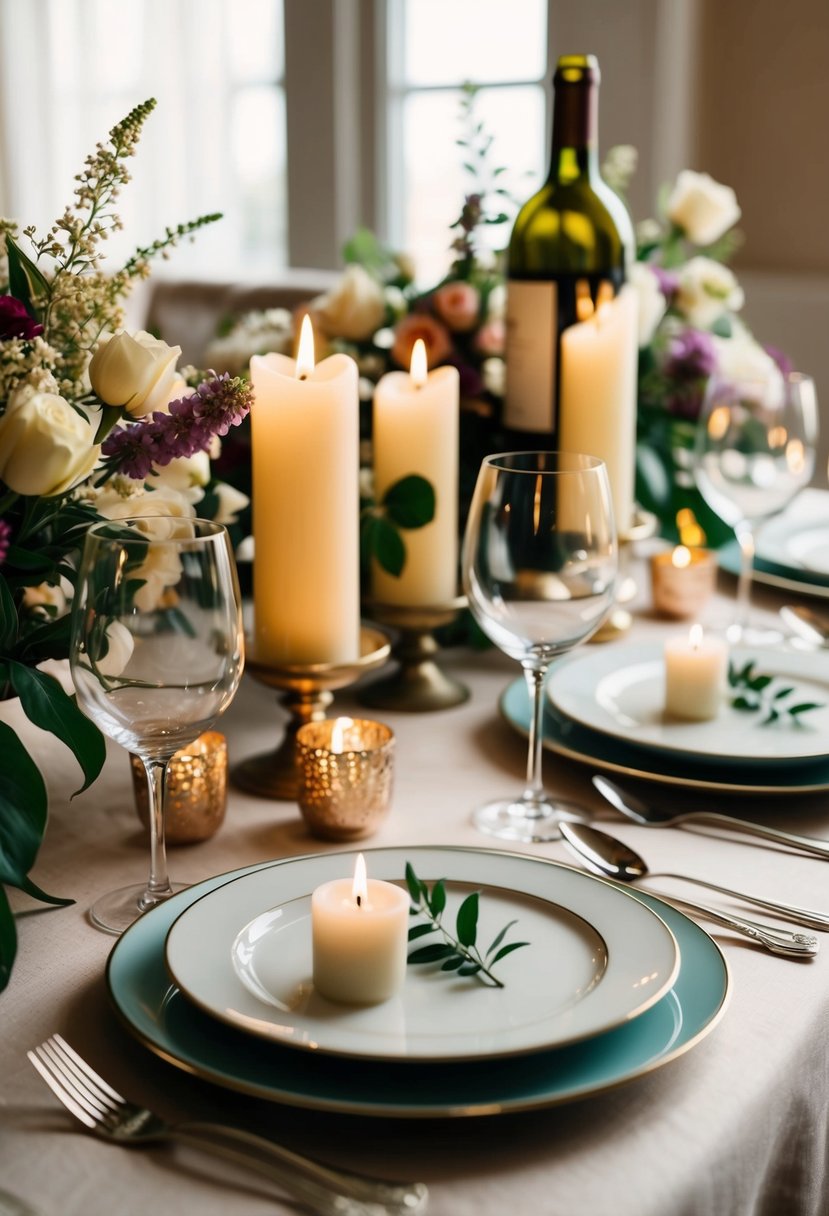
695,637
584,301
305,351
681,557
419,367
690,533
796,456
338,730
359,888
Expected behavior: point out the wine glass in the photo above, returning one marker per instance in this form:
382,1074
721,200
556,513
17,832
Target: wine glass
156,654
539,567
754,451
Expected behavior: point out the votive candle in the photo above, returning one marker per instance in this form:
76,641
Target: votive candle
696,667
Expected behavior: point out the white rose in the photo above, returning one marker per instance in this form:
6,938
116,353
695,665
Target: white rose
120,645
707,289
230,502
652,303
46,447
353,309
188,475
493,374
701,207
126,500
46,596
741,358
134,371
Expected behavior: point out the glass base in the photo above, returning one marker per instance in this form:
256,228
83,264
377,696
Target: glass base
515,819
119,909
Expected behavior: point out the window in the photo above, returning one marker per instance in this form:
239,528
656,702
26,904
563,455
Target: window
215,143
433,47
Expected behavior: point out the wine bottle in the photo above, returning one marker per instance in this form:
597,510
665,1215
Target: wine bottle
569,252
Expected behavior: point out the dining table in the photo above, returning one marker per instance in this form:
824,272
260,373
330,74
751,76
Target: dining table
736,1124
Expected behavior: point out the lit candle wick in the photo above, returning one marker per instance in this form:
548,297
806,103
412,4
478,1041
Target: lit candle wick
418,368
305,350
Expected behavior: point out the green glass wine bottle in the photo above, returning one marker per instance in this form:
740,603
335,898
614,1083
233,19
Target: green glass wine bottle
570,250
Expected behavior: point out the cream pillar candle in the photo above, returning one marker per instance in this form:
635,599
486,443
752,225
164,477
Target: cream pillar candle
306,507
416,431
696,668
597,399
360,931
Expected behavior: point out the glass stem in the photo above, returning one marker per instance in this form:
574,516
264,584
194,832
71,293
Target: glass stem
534,790
745,537
158,885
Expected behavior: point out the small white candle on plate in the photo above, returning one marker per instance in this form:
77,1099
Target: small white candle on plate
360,931
695,675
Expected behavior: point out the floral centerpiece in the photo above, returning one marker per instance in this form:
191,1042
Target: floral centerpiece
95,423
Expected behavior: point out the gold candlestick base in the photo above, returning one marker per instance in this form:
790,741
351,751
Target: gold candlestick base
619,621
418,685
307,691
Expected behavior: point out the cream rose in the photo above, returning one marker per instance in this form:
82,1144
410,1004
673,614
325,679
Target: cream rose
741,358
353,309
230,502
701,207
652,303
706,290
46,447
134,371
457,305
120,645
188,475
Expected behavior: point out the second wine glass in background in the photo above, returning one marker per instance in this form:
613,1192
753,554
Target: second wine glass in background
755,450
539,569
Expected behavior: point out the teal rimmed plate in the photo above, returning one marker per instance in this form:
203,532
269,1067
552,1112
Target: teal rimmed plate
578,742
156,1012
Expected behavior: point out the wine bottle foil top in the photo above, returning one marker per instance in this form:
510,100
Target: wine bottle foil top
577,69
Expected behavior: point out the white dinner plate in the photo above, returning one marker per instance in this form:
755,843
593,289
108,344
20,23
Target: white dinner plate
792,550
620,692
596,959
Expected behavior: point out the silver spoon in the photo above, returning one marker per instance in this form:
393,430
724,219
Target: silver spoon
654,817
606,855
806,623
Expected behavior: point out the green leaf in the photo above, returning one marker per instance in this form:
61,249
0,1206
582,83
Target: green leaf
496,942
410,502
417,931
413,883
110,415
804,707
431,954
8,618
758,683
8,940
466,924
508,949
437,900
25,279
469,969
453,964
22,559
743,703
47,705
388,547
783,692
23,804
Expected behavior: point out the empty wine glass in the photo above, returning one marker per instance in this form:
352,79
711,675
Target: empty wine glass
156,656
539,567
755,449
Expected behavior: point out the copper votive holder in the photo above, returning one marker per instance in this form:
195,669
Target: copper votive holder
195,792
683,579
345,771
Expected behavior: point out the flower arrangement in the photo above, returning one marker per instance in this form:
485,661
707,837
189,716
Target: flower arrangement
95,423
689,329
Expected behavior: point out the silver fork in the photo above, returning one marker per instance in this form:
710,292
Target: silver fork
325,1190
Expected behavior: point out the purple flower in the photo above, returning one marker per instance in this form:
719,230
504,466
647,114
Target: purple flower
217,404
5,539
691,356
668,280
15,321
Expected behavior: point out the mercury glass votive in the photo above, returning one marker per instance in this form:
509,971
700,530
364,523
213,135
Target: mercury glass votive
195,792
682,581
345,771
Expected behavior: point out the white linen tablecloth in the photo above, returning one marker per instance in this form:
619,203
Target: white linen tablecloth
738,1126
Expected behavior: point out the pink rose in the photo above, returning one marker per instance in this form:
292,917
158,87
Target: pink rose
458,304
420,325
491,337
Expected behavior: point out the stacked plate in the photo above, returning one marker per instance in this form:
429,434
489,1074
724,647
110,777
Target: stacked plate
605,708
792,550
613,983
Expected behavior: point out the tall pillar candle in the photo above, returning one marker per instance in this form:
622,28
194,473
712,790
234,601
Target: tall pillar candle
306,506
416,431
598,394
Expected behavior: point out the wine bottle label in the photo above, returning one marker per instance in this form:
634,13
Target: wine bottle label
532,338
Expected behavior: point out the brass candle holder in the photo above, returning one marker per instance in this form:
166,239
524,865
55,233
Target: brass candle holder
619,621
345,770
307,691
418,685
195,791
